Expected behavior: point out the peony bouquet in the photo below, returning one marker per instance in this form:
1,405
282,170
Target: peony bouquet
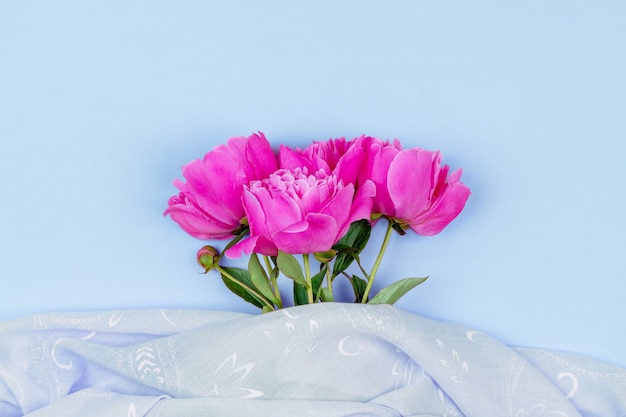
318,203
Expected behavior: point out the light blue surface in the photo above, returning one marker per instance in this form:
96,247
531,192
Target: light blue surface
102,102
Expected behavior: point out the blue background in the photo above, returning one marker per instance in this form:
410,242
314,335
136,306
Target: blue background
101,103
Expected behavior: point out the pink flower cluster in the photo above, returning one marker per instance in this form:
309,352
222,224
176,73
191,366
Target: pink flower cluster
304,200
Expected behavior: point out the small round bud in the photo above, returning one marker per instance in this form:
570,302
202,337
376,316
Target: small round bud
208,257
325,257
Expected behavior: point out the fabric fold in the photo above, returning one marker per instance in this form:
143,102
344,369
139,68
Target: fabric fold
331,359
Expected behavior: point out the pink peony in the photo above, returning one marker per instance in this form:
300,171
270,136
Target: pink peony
209,204
345,159
424,195
298,213
411,185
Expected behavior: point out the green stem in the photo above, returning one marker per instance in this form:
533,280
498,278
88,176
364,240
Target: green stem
250,290
329,279
307,277
381,253
268,264
358,262
273,279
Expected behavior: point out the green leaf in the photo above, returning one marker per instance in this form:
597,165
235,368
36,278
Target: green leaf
239,277
395,291
398,228
358,285
317,280
289,265
300,295
351,244
357,236
259,278
326,295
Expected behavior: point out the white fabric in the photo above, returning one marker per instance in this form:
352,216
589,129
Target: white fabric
320,360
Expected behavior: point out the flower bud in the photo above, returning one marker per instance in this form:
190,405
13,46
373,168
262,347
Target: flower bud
326,256
208,257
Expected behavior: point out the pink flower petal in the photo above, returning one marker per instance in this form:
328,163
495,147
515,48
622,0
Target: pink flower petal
361,204
340,207
379,157
445,209
259,157
317,233
410,182
269,210
258,244
197,223
290,159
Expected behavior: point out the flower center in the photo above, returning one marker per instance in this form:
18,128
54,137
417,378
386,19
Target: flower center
296,183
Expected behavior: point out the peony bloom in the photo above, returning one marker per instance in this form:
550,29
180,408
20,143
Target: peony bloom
412,187
345,159
319,155
298,213
209,204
